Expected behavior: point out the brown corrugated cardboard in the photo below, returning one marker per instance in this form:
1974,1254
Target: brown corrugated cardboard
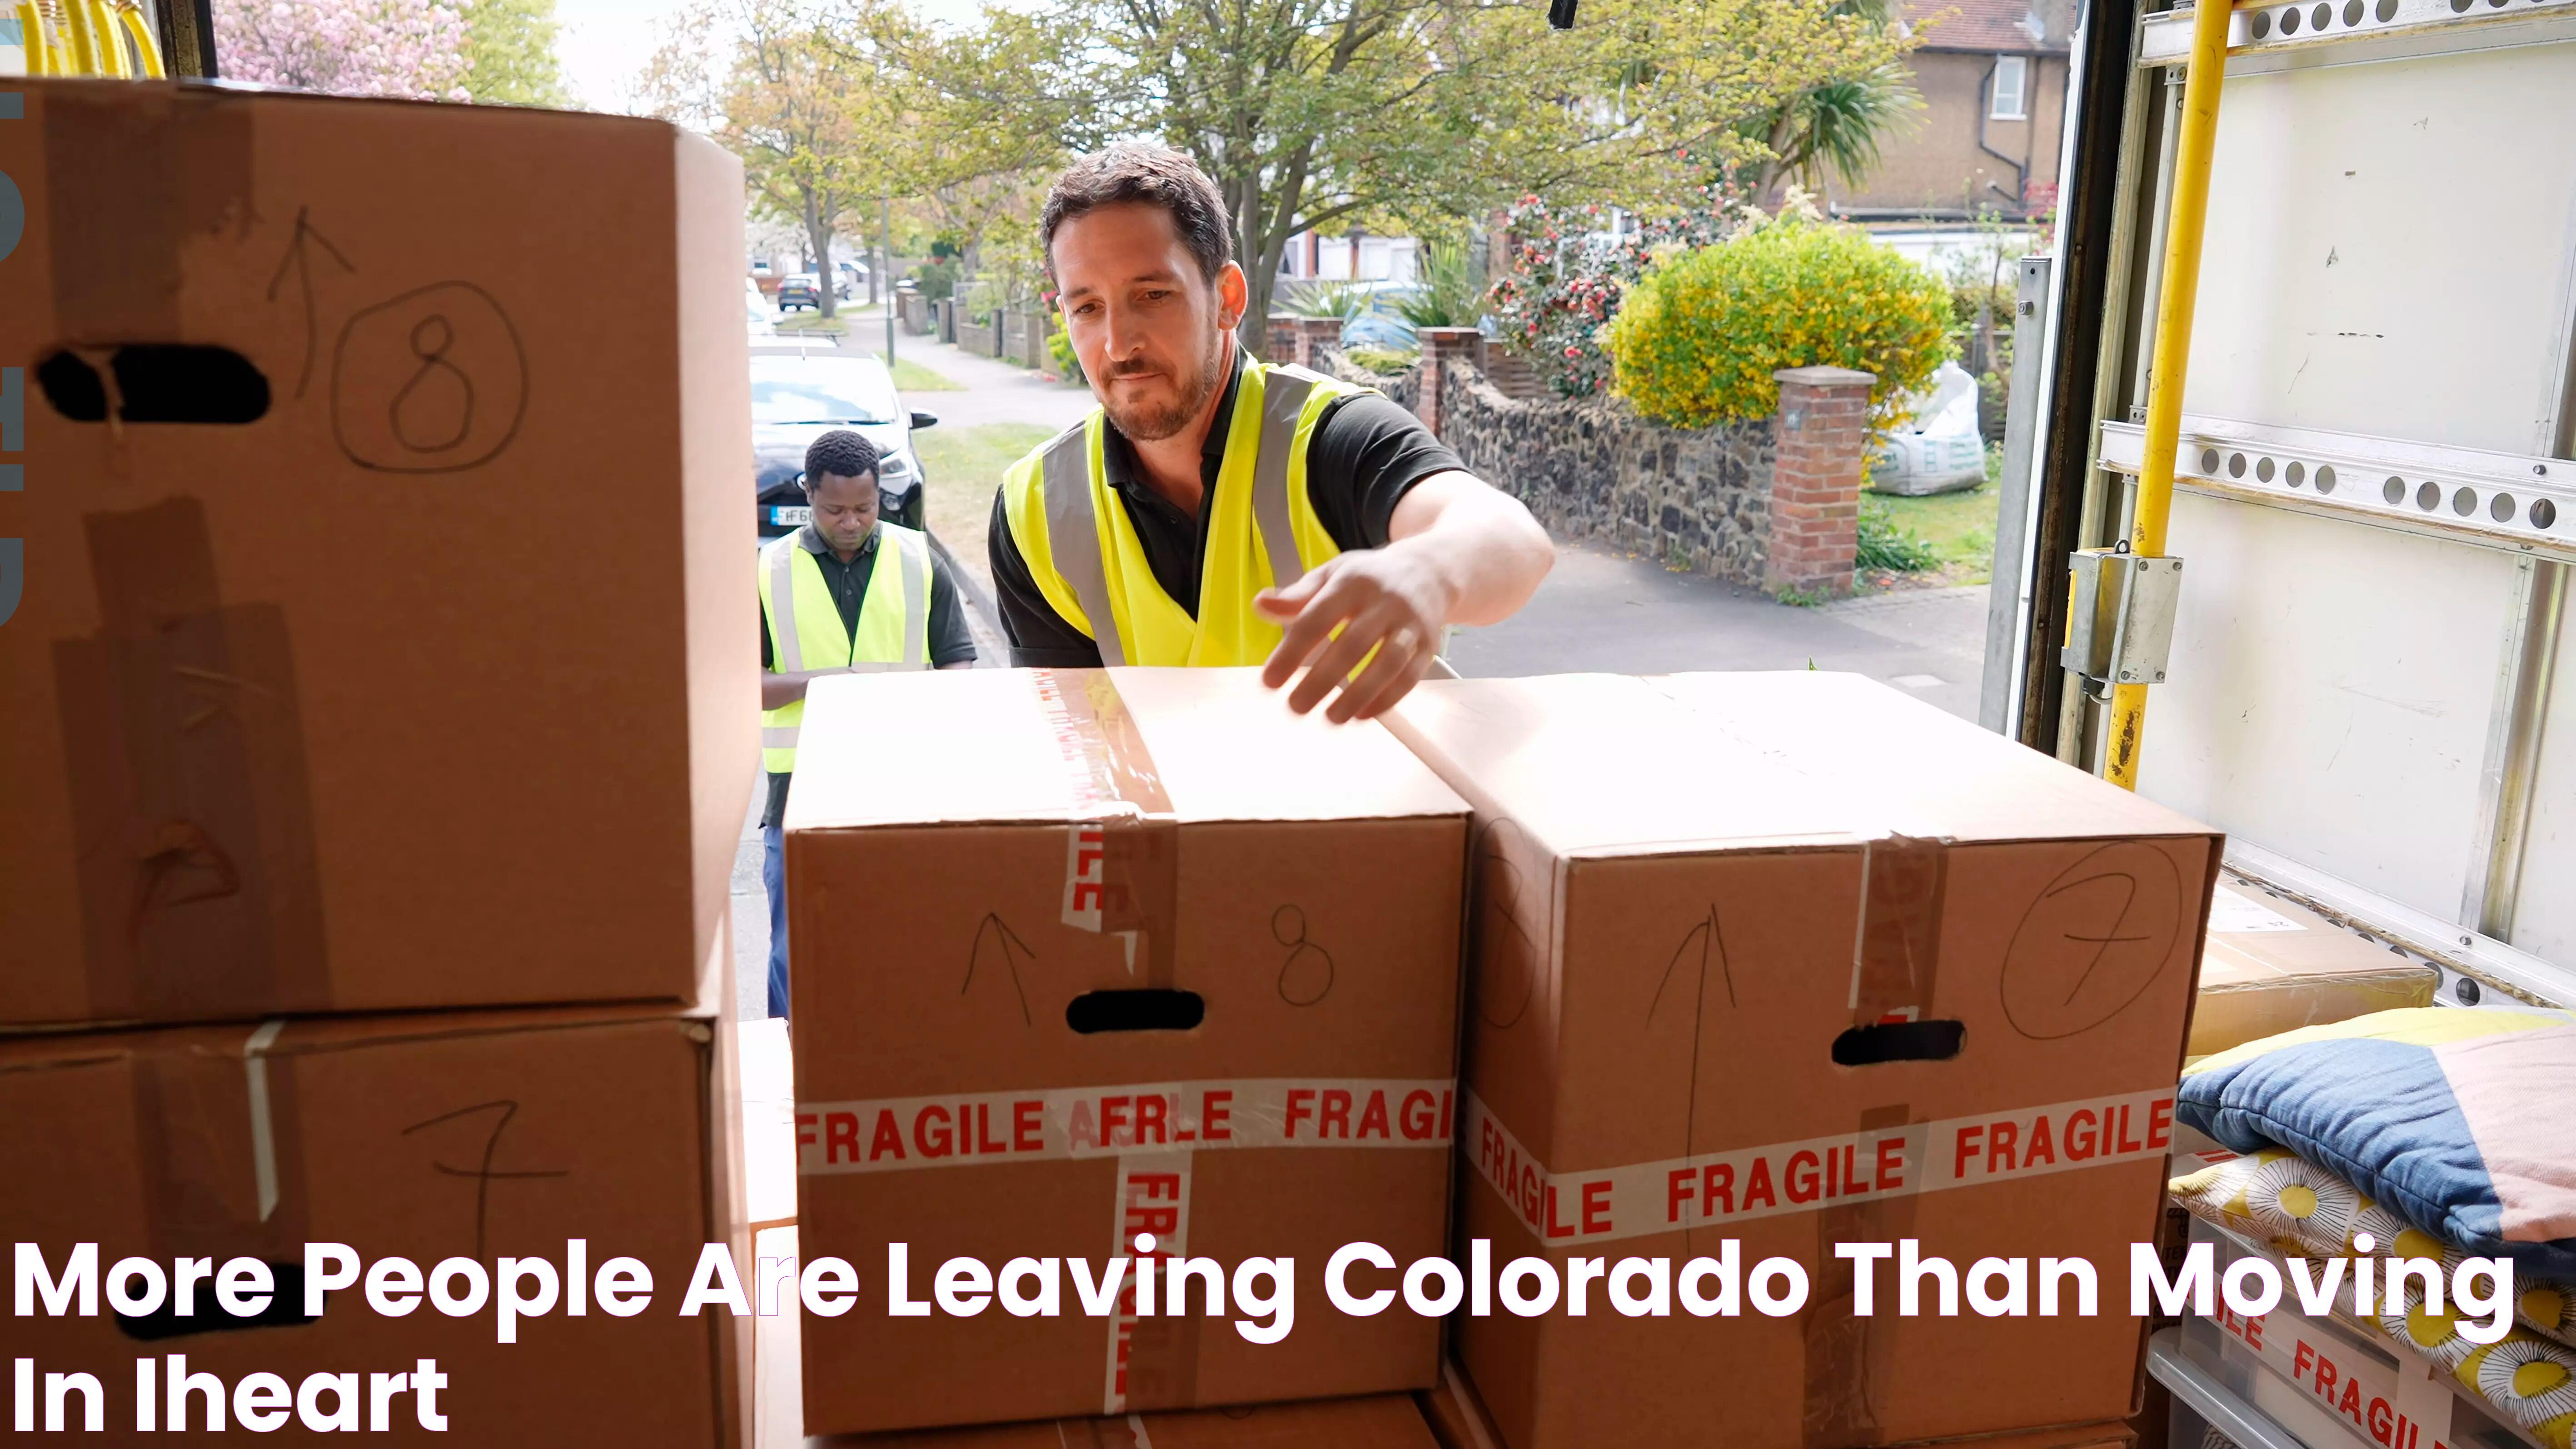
2273,966
1044,838
433,683
1458,1421
429,1137
1383,1421
1795,961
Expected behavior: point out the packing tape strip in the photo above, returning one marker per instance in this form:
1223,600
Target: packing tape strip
1845,1351
222,1153
1066,1124
1152,1358
1896,940
1716,1188
132,175
191,809
1122,856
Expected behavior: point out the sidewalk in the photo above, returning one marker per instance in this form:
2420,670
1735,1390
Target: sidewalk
1599,611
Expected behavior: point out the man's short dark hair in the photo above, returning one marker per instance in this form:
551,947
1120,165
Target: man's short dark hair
841,453
1140,171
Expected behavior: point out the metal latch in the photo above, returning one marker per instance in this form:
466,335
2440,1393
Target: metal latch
2119,629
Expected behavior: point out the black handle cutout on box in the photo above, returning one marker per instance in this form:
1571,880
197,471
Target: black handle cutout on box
158,382
285,1310
1899,1041
1151,1009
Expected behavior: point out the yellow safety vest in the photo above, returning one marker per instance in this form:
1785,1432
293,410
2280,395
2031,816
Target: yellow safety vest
1083,551
805,630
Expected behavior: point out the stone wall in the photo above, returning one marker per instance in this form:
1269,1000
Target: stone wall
1703,500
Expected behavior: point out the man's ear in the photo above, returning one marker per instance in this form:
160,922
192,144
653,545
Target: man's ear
1233,296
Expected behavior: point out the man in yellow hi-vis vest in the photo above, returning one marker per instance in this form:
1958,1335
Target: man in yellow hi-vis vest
1217,510
844,594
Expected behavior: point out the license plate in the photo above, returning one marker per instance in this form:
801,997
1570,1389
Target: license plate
791,517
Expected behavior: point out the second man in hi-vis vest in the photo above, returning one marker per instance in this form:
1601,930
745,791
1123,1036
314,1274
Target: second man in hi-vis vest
847,593
1222,511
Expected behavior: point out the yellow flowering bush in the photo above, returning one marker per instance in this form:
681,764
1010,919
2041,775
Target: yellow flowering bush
1698,339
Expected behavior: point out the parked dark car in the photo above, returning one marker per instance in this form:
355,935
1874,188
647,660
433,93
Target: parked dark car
797,397
799,291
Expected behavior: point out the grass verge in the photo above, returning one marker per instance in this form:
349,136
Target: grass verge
965,467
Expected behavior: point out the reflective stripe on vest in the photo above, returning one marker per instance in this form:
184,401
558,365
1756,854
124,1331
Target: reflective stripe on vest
800,641
1071,476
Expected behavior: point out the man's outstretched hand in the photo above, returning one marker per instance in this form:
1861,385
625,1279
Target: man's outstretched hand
1391,600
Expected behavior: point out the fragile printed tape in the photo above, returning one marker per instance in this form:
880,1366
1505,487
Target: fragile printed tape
2390,1404
1153,1359
1074,1123
1899,1160
1122,856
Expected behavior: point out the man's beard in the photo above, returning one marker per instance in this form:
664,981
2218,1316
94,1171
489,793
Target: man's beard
1150,423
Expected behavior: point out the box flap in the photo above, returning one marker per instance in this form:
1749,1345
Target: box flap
995,745
1713,760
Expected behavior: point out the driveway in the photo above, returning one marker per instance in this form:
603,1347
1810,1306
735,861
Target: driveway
1603,612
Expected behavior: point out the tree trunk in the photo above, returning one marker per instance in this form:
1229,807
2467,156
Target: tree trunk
818,235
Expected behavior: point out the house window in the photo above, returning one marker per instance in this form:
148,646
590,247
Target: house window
2012,85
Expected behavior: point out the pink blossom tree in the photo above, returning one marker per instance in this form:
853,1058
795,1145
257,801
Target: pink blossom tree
413,49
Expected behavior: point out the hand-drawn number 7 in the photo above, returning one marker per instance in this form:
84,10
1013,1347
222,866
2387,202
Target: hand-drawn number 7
484,1175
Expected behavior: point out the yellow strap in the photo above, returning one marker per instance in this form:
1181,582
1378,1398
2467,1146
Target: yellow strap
147,46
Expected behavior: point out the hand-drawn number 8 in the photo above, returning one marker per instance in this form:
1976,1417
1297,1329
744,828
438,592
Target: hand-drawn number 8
1306,977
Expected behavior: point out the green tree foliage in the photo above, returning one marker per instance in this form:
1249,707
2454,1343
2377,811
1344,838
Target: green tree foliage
1835,125
1312,113
1697,342
510,53
1449,295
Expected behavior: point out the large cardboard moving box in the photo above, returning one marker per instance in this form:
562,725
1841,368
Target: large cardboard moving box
473,1136
2273,966
385,637
1793,961
1111,953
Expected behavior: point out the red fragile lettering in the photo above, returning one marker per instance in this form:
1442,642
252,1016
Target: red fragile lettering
2160,1121
841,1134
1999,1146
805,1130
1446,1101
887,1140
1373,1121
2041,1150
984,1139
2081,1139
1213,1112
1150,1118
1418,1116
1553,1228
1970,1140
2127,1146
1028,1128
1757,1186
2248,1329
1596,1206
930,1132
1301,1107
1891,1164
1336,1113
1113,1116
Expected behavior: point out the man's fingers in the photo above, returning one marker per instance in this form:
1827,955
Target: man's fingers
1400,662
1283,604
1309,631
1335,664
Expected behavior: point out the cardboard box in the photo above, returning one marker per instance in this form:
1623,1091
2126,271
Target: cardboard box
1793,961
1459,1421
1056,849
1384,1421
392,646
474,1136
2273,966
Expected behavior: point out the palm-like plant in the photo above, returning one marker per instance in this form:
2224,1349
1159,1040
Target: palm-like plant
1838,125
1342,301
1449,293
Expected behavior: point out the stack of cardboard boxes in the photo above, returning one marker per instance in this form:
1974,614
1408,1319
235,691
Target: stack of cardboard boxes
1783,961
380,726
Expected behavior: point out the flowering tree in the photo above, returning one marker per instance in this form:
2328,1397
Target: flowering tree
1567,278
413,49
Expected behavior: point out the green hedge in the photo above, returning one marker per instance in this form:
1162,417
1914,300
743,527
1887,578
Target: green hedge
1697,340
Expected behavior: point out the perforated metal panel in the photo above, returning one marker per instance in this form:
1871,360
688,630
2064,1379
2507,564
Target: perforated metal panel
2388,249
2389,258
2329,691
